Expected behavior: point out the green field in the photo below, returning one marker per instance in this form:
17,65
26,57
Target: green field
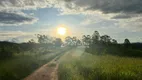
74,64
21,65
78,65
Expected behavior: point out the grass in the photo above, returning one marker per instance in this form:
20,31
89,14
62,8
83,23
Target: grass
20,66
105,67
52,65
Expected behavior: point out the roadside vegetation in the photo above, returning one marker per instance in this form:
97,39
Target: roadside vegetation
18,60
99,45
103,59
21,66
100,67
95,57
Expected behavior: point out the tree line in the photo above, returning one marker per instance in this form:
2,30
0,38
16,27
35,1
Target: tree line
104,44
44,44
95,44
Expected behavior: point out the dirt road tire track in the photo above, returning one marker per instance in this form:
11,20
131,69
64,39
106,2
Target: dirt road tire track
48,71
43,73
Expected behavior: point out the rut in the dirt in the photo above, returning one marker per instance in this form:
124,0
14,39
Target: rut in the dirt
46,72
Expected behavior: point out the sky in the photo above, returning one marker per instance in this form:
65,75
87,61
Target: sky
22,19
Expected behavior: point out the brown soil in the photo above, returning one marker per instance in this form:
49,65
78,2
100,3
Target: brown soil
46,72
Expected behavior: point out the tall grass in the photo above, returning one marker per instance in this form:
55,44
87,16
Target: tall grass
20,66
106,67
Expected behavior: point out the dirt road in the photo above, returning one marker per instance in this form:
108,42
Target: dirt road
46,72
49,70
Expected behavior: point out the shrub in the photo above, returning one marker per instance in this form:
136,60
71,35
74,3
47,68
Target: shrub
5,53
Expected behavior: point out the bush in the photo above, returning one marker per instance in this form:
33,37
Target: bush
5,53
46,52
117,49
105,67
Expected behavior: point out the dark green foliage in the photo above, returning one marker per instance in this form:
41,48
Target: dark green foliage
72,41
20,66
58,42
7,49
106,45
127,43
86,39
46,52
18,60
115,49
43,39
5,53
96,67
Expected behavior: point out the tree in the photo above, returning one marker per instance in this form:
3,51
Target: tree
43,39
14,40
105,39
58,42
127,42
114,41
68,40
86,39
32,41
78,42
74,39
95,37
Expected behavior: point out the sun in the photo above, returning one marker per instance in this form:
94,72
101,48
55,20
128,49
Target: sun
61,31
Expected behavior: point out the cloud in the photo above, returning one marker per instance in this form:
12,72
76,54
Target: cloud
133,24
106,9
18,35
8,18
74,6
10,34
124,16
22,4
107,6
87,22
11,15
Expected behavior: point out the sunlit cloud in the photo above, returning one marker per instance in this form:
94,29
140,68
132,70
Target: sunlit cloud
69,7
133,24
6,35
107,13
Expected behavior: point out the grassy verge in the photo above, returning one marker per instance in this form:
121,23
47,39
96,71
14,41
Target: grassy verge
21,66
106,67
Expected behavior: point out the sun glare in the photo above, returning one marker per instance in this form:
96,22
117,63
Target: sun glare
61,31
